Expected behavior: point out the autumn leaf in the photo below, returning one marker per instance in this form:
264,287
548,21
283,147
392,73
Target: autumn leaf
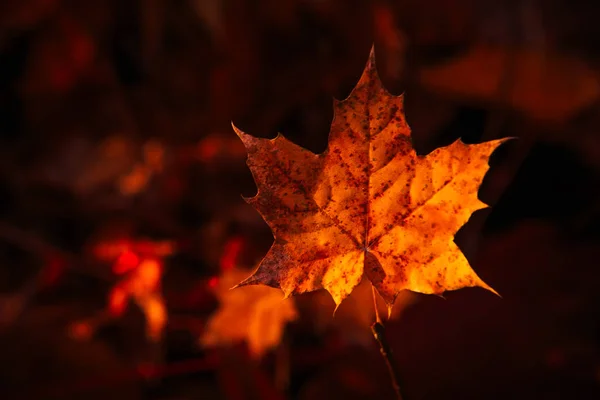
368,205
256,314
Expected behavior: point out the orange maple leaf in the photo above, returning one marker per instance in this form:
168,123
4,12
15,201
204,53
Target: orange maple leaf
368,205
256,315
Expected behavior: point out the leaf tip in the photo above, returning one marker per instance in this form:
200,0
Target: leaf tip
495,143
372,53
506,139
389,310
236,130
485,286
337,305
251,280
249,200
246,138
371,67
494,291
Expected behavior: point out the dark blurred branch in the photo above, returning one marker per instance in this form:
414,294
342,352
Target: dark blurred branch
28,241
12,306
384,347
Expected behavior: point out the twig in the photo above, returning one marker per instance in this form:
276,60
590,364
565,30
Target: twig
12,308
386,351
30,242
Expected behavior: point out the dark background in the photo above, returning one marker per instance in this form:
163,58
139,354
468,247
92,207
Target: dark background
76,75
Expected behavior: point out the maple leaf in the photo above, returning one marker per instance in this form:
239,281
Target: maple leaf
255,314
367,205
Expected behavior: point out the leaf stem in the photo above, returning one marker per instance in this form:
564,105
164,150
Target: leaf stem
386,351
377,317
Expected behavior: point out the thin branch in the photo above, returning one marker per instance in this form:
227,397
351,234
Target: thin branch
12,307
386,351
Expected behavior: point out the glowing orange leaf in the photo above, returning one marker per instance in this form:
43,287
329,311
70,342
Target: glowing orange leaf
256,314
141,266
368,205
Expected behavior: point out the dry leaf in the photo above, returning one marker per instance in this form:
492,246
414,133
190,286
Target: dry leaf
368,205
255,314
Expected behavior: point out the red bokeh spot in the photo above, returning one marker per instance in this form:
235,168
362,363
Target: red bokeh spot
213,282
117,302
208,149
127,261
231,253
